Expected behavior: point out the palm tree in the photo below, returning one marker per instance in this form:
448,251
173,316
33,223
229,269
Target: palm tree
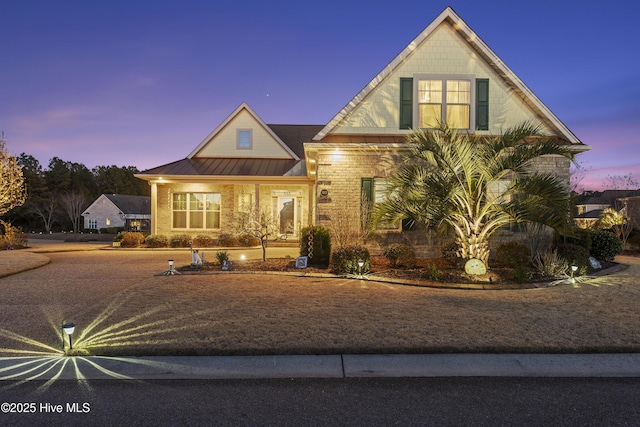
476,185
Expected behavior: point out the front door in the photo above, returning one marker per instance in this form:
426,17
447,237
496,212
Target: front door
286,214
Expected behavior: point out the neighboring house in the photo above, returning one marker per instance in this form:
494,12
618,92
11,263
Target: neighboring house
627,201
318,174
132,213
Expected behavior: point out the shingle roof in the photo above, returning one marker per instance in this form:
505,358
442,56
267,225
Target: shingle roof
608,197
294,136
594,214
131,204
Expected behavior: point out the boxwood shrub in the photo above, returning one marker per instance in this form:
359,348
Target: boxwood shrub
605,245
132,239
180,241
400,255
345,260
320,247
156,241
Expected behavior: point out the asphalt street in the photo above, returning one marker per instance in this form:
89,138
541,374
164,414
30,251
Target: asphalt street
453,401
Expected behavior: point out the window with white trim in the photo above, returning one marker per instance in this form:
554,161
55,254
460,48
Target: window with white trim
244,139
196,210
444,100
92,224
496,191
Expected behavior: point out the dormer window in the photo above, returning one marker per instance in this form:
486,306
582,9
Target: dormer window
244,139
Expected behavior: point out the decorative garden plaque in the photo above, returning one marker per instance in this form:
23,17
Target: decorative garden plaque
475,266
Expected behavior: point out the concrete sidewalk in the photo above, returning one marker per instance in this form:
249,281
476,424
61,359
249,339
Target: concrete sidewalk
320,366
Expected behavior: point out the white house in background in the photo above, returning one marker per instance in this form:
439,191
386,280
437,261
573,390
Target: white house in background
132,213
626,201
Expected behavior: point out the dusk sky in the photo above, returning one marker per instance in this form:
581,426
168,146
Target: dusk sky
142,83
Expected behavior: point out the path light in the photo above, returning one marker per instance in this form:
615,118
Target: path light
574,268
360,265
68,329
171,271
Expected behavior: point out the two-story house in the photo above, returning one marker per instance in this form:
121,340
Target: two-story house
318,174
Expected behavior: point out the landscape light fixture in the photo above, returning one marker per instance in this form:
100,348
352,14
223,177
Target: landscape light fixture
68,329
360,272
574,268
171,271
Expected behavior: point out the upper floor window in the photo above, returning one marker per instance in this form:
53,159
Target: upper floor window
462,102
244,139
444,100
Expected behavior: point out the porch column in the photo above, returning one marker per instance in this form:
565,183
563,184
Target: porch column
312,204
258,198
154,208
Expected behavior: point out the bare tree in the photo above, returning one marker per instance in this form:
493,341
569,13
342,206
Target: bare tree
45,209
73,204
577,174
352,225
620,182
13,191
260,224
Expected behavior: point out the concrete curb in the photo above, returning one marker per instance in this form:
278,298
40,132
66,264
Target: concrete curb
319,366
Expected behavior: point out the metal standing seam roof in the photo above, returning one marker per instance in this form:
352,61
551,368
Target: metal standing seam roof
225,167
294,136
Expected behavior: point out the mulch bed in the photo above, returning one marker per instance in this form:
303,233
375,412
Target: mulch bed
446,273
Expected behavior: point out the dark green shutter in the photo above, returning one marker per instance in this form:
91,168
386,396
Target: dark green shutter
366,187
482,104
406,103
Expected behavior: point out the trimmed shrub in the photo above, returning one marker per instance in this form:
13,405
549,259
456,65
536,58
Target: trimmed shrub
521,274
132,239
605,245
180,241
513,255
320,247
204,242
227,240
574,255
248,240
400,255
346,259
157,241
12,236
